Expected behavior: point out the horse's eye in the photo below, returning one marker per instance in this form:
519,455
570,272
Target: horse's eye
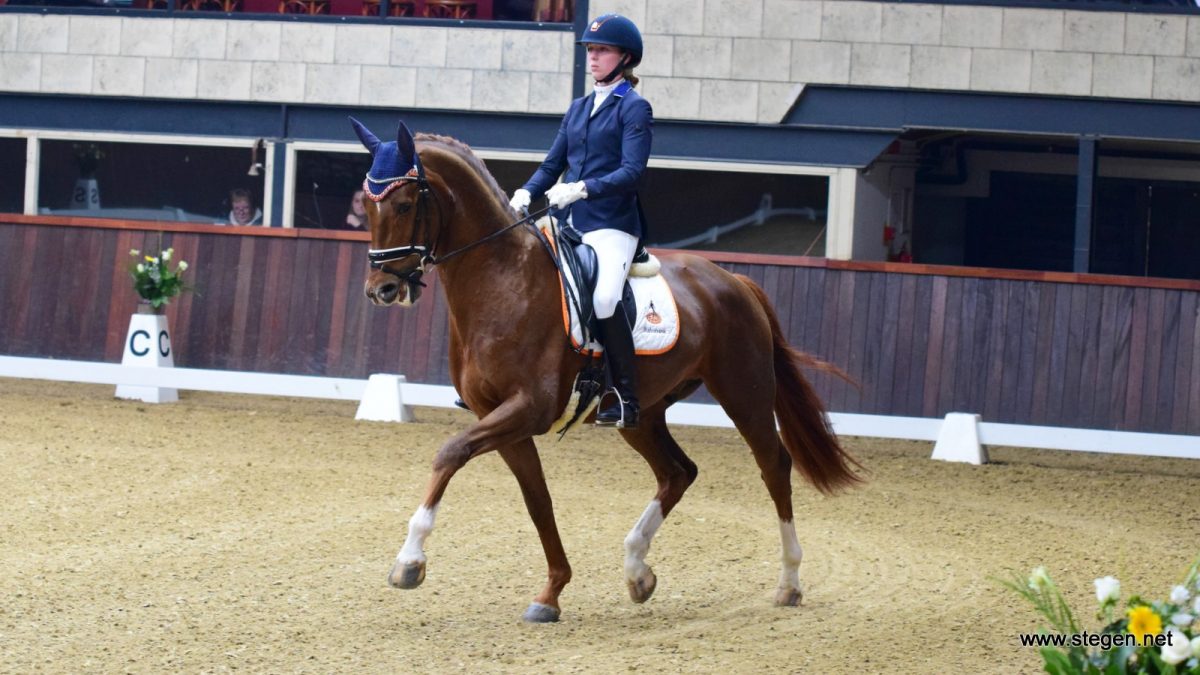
403,208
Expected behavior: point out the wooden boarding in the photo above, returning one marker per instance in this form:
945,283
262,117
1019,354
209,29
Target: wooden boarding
1052,349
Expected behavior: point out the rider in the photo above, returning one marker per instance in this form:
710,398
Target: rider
603,145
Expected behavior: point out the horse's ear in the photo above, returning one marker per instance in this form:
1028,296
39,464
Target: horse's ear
369,140
405,144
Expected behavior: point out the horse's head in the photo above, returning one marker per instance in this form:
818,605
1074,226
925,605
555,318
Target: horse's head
401,207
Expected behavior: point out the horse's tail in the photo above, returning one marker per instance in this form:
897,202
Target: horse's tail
805,430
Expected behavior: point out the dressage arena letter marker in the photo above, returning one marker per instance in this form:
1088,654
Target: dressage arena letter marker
958,440
143,350
382,401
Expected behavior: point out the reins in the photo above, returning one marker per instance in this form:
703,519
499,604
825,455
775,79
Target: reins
527,219
429,258
428,252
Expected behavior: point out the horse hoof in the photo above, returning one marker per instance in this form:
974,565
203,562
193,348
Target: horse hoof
788,597
641,589
406,575
539,613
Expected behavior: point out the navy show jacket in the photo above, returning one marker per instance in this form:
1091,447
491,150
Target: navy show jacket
608,151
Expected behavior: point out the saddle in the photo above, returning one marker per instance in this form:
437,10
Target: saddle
581,263
578,267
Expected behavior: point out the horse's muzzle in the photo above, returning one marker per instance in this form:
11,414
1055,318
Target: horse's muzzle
385,288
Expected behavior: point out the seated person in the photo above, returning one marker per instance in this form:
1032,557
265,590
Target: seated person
243,211
356,216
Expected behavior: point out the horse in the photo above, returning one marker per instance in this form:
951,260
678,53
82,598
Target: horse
431,201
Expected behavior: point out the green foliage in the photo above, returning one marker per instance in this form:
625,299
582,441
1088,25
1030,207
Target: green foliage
154,279
1126,655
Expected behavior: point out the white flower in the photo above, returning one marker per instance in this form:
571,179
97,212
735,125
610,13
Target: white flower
1108,589
182,265
134,251
166,255
1177,648
154,261
1196,647
1182,619
1179,595
141,268
1196,605
1039,578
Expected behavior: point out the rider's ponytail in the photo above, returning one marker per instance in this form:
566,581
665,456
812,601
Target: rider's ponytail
630,77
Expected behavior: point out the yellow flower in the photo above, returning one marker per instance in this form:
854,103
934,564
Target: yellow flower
1143,621
149,258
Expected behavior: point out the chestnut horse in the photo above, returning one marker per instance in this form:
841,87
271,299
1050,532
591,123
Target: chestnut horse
513,364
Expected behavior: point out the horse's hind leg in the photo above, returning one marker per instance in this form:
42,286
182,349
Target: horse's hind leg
523,460
752,409
674,472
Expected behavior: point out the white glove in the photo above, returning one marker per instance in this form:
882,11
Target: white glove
520,200
563,194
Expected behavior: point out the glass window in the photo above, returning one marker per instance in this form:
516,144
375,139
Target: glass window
143,181
743,212
328,183
12,174
327,187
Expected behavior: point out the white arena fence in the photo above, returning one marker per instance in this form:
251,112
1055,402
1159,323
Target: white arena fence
958,437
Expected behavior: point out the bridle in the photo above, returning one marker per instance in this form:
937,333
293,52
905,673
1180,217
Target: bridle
378,257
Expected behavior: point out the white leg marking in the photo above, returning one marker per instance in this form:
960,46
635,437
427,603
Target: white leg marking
637,542
789,576
419,527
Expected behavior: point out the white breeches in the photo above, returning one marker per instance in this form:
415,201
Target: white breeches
614,253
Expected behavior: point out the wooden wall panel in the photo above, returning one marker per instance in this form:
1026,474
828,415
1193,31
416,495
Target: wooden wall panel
1065,350
1185,364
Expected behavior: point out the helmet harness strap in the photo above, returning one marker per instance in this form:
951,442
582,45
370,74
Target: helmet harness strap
625,58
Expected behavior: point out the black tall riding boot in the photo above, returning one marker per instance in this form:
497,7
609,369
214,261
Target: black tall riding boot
620,410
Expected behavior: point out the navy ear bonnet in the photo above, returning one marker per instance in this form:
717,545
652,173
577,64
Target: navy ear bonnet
393,163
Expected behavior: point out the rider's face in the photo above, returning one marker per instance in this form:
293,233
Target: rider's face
602,60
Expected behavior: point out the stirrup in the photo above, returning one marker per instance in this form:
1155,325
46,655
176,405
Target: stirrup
461,404
622,406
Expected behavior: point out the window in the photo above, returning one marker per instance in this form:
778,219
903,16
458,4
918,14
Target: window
144,181
733,211
327,184
12,174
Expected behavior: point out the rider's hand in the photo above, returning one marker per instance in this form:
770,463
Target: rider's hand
520,200
564,194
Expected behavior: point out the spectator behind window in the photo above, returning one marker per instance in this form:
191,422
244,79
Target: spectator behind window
243,211
356,216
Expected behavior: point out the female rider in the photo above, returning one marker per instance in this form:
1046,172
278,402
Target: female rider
603,146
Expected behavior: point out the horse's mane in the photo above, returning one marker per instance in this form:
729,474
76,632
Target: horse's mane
464,152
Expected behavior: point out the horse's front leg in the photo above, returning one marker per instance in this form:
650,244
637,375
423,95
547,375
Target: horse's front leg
523,460
507,424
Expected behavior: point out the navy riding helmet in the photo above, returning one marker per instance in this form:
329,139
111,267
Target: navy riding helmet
617,31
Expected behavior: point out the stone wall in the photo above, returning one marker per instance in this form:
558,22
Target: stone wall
293,62
747,61
744,61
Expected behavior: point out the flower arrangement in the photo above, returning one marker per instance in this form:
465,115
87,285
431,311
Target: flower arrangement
1148,638
88,157
153,278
